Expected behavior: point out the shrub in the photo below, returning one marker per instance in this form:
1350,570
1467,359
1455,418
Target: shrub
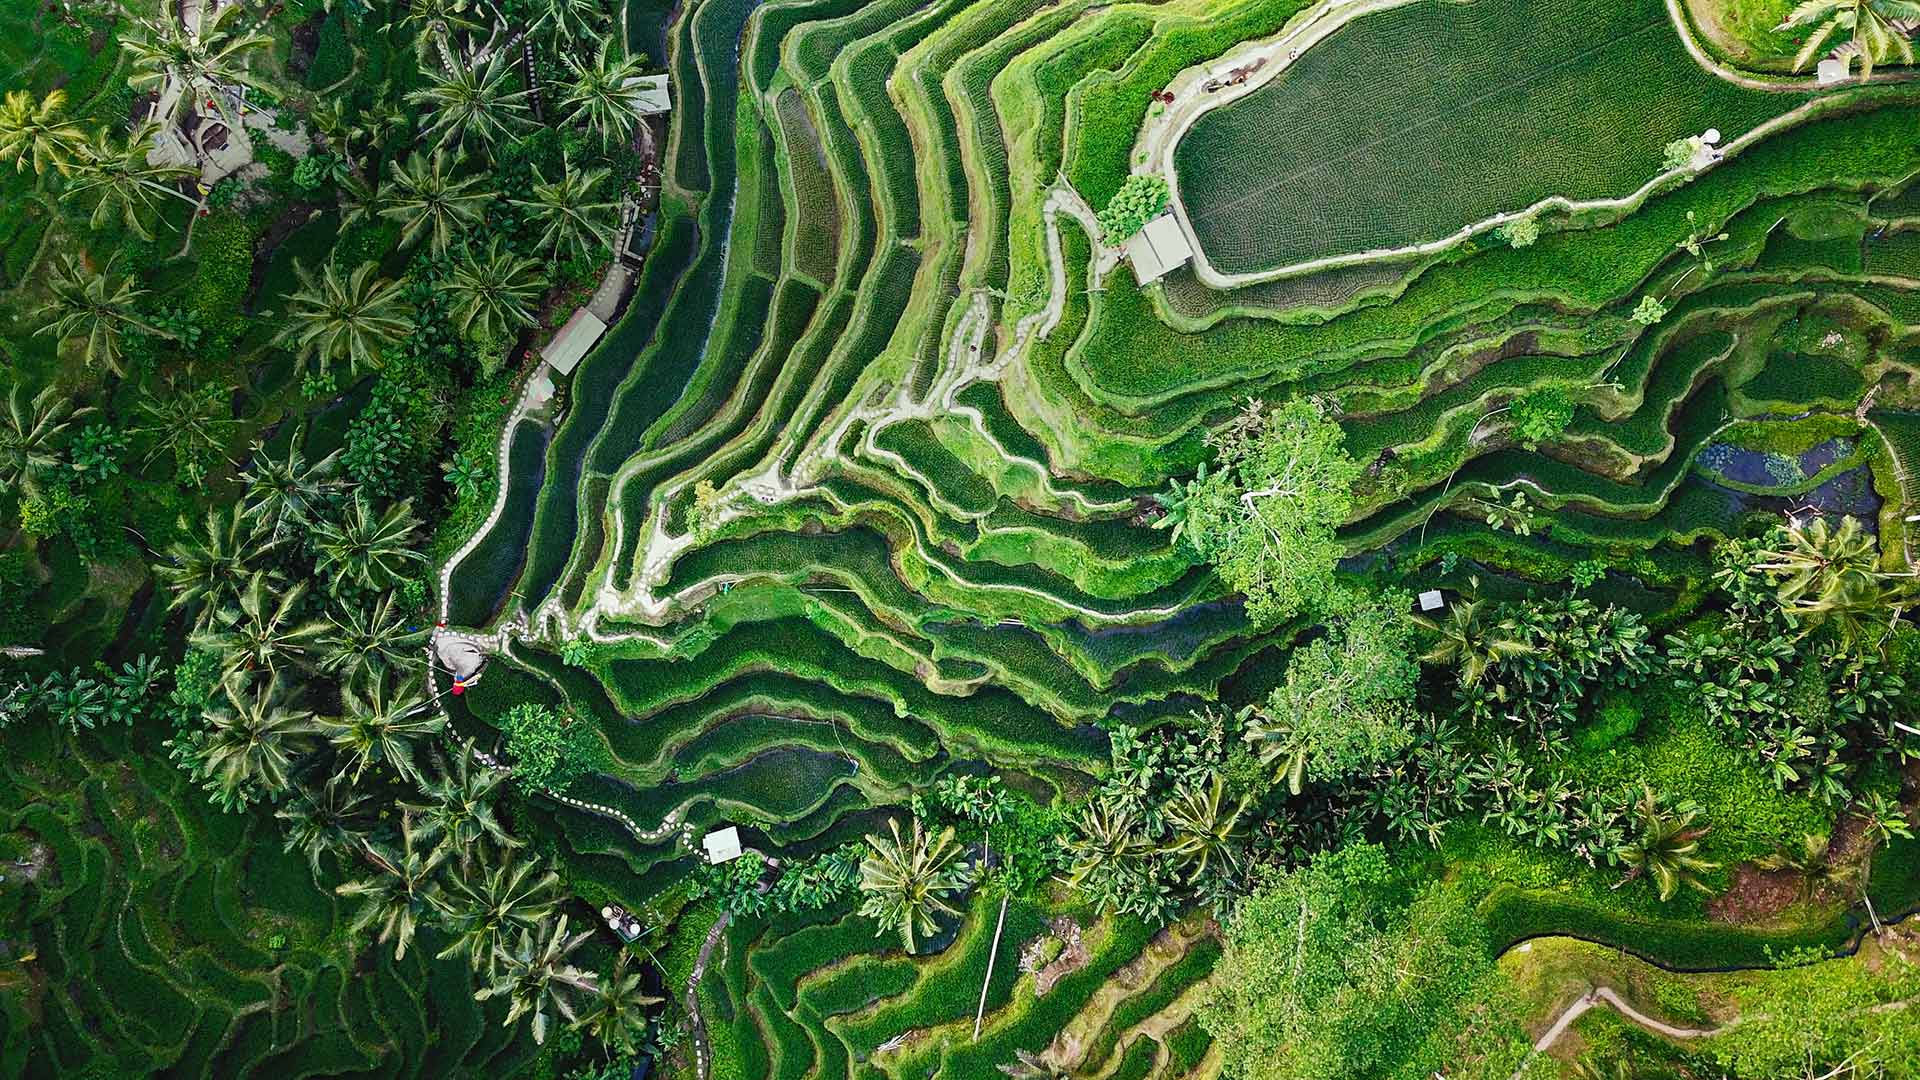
1521,233
1137,202
1541,416
550,750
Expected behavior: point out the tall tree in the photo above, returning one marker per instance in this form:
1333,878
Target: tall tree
535,975
94,309
459,813
907,880
1265,517
493,290
472,106
1472,639
379,724
263,630
285,492
405,890
1868,22
212,54
331,820
367,547
489,909
367,641
428,201
351,318
123,181
573,221
206,568
250,741
616,1015
38,133
602,97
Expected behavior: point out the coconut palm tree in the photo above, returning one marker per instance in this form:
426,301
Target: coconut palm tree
95,309
601,96
332,819
1103,836
363,641
285,493
405,890
438,21
534,975
1205,825
1825,575
365,546
1469,637
204,569
573,20
459,812
1868,22
379,725
471,106
616,1018
250,741
1667,848
123,182
28,430
488,910
428,200
907,879
262,631
493,290
352,317
572,221
211,54
39,133
190,419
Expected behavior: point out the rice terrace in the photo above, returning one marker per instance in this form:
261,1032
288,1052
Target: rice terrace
907,539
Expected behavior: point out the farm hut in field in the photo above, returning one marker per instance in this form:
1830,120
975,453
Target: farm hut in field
1157,249
573,340
723,845
1831,72
653,97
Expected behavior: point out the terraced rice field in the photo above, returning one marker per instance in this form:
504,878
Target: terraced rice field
1416,121
875,322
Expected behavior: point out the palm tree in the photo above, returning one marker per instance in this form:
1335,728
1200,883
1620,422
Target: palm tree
438,20
261,631
96,309
380,725
406,889
493,291
573,20
1667,848
1468,637
190,419
574,222
1870,22
1175,501
602,96
28,431
617,1019
907,880
39,134
1814,863
367,547
285,493
212,54
535,974
1103,836
487,910
429,201
1827,575
363,641
331,819
471,106
460,808
350,318
1281,744
251,740
123,182
1204,825
205,567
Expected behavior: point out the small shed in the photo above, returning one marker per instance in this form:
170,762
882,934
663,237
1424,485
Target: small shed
573,341
1158,248
723,845
652,98
1431,600
1831,72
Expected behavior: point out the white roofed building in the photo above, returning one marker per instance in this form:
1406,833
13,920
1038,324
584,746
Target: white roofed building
573,341
653,94
1158,248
